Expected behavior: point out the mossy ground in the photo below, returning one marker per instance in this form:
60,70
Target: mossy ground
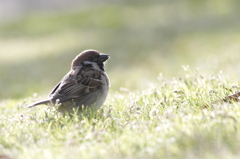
169,60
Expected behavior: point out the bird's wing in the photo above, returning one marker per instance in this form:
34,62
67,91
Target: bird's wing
79,82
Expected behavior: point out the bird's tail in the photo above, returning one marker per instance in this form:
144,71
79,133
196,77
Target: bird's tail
46,101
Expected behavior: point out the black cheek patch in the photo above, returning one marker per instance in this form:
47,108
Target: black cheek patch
88,65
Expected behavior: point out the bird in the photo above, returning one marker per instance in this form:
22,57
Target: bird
84,87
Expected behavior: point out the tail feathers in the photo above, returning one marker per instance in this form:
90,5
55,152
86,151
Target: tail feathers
46,101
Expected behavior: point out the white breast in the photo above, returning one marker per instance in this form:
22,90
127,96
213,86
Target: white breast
102,93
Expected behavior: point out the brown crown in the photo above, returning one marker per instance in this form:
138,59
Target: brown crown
84,56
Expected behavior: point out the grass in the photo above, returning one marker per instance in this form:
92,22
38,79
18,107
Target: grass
168,120
169,59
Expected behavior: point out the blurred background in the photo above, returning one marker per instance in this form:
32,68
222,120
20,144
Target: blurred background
39,39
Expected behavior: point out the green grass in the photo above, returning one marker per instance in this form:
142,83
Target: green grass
169,59
168,120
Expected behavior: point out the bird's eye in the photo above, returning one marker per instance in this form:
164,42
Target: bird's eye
90,58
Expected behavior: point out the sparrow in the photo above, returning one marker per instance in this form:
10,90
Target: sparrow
85,86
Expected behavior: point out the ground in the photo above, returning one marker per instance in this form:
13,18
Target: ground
169,61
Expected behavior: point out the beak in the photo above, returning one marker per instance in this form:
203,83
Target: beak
103,58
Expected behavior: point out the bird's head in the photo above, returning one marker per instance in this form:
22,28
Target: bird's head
91,58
